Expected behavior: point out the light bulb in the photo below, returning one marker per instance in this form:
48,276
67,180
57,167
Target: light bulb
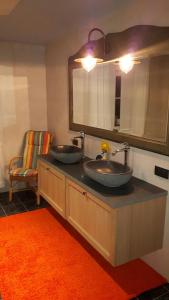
88,63
126,63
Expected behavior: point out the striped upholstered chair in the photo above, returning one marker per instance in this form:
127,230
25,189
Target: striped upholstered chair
24,168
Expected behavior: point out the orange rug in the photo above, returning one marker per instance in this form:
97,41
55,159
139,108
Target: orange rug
40,258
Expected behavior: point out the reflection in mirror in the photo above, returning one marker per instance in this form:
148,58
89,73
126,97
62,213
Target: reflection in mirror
93,95
135,103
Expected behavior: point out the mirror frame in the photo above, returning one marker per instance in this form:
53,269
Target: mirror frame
140,39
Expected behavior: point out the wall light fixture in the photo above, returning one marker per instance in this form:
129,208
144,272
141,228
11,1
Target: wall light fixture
90,55
90,58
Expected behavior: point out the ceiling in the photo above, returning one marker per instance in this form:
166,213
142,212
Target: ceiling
42,21
6,6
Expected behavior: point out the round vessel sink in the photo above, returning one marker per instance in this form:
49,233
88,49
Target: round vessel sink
107,172
67,154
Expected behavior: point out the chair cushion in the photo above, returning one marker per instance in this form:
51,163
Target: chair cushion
23,172
37,143
38,138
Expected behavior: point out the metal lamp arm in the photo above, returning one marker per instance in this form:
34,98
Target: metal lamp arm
95,29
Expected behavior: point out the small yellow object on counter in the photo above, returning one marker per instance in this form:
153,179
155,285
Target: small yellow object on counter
105,146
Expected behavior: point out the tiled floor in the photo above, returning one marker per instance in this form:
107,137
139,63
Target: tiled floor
22,202
26,201
161,293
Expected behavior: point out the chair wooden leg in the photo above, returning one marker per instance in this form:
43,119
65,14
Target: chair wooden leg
37,193
28,185
10,190
38,198
10,194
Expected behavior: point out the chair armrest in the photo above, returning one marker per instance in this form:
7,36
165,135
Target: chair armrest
13,162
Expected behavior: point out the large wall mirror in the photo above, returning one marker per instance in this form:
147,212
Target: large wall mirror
132,107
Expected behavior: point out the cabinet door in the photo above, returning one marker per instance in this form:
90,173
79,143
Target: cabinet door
42,178
92,218
51,185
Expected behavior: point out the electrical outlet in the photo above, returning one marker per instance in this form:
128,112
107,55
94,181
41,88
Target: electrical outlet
164,173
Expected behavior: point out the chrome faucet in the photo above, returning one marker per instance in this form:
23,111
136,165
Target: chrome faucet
124,147
82,138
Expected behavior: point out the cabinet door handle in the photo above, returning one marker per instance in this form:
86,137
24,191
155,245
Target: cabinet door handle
47,169
84,193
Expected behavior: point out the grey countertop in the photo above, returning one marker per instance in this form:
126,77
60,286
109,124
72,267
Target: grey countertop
133,192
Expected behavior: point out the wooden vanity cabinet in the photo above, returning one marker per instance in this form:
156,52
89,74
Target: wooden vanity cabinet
51,186
92,218
120,234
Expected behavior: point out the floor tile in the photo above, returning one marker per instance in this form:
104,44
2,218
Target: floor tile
21,202
166,286
4,196
163,297
29,201
13,207
2,214
153,294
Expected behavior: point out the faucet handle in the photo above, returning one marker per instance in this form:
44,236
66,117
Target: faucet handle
82,133
123,147
126,146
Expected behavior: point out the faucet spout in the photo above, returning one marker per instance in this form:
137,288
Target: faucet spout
82,138
126,157
125,147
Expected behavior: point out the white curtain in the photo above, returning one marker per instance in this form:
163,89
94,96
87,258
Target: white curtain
93,96
134,96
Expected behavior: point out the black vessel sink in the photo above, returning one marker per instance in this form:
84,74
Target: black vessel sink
108,173
67,154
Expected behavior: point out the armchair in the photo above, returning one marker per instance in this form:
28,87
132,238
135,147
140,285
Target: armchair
24,168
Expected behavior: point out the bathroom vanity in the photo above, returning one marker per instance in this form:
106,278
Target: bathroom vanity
120,223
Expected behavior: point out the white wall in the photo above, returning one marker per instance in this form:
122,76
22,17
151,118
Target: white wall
132,12
22,98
